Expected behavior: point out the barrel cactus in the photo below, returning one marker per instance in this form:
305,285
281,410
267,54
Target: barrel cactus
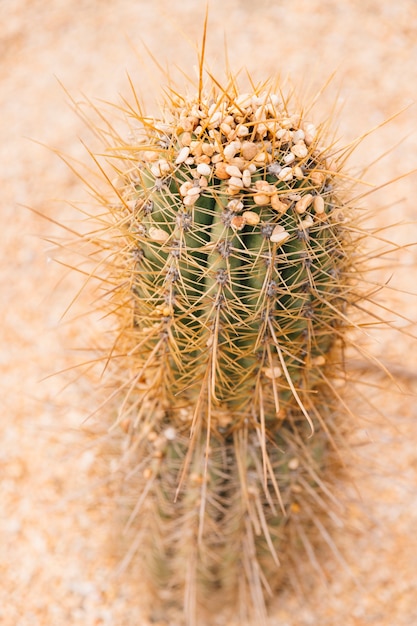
231,252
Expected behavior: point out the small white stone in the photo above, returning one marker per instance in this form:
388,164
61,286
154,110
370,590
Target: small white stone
232,170
235,205
251,218
182,155
298,135
225,128
246,178
203,169
261,199
190,200
242,130
212,108
289,158
285,174
300,150
303,204
278,205
293,464
318,205
230,150
235,184
170,433
193,191
155,170
215,119
273,372
164,166
185,187
307,222
279,235
298,172
158,235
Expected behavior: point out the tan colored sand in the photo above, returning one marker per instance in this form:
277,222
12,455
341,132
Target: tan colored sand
54,525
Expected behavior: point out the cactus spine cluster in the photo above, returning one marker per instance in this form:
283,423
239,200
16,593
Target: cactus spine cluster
231,253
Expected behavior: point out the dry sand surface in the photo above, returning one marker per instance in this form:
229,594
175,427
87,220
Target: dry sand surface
55,565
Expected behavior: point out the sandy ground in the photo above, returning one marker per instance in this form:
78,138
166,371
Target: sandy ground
55,568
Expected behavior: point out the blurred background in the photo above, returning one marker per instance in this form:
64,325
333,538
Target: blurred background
55,566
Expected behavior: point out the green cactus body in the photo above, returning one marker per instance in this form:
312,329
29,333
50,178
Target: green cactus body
238,267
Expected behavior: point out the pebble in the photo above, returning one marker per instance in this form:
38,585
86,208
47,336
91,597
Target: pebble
158,235
278,205
298,172
293,464
273,372
289,158
203,169
185,139
161,168
230,150
246,178
170,433
307,222
261,130
239,162
285,136
194,190
251,218
220,170
317,178
188,124
202,159
261,199
249,150
298,135
182,155
196,148
264,186
285,174
260,158
207,149
232,170
243,101
318,205
300,150
242,130
235,205
190,200
150,156
185,187
235,185
225,128
279,235
238,222
303,204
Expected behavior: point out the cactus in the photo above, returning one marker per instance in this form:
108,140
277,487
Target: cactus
235,268
233,257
